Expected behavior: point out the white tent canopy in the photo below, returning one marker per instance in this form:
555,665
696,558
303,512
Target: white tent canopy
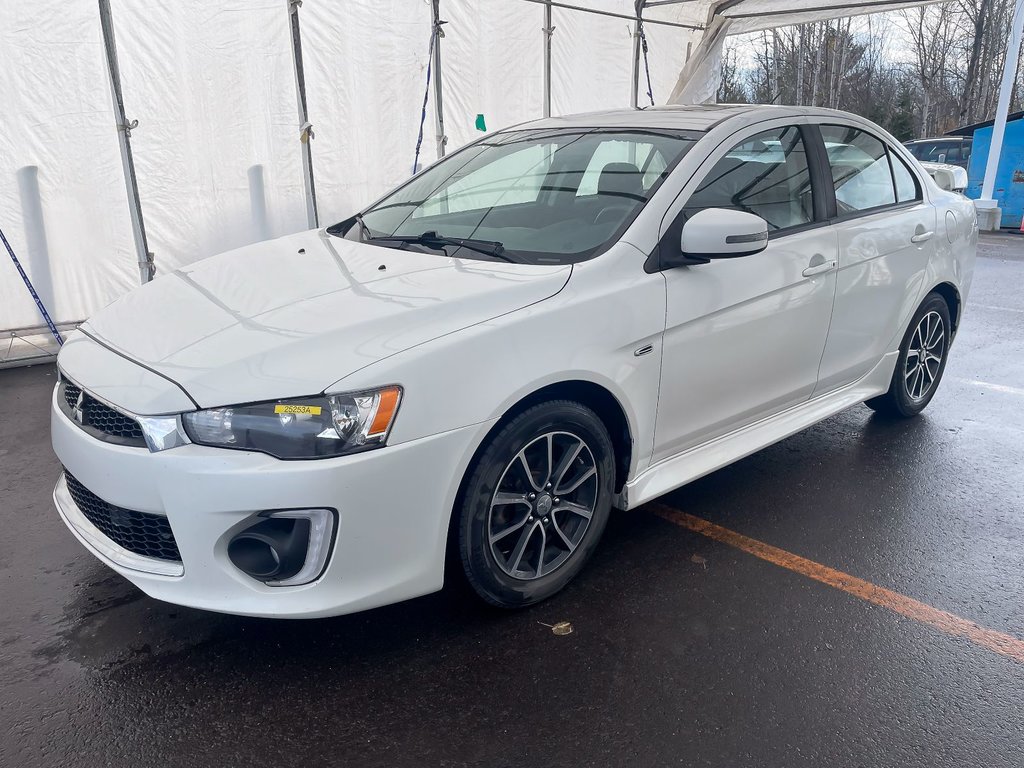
218,149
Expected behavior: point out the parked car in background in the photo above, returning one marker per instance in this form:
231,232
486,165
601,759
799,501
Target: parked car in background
569,315
951,150
952,178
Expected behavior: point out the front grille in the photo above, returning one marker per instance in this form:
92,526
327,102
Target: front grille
98,418
71,393
139,532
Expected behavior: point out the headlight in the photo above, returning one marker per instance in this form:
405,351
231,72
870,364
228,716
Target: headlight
305,428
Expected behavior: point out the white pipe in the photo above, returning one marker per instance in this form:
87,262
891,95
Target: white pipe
37,250
258,204
1005,88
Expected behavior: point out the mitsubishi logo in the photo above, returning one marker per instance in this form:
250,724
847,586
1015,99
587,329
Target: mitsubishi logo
76,411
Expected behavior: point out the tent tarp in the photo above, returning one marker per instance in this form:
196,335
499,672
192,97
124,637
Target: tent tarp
57,136
214,93
217,150
755,15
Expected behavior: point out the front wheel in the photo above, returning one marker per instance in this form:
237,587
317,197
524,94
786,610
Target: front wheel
921,361
536,503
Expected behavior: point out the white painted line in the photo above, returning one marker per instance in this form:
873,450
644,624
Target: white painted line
997,309
994,387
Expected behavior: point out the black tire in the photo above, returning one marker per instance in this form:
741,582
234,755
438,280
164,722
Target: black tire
490,565
907,395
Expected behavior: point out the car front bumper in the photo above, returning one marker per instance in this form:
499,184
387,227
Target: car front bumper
393,508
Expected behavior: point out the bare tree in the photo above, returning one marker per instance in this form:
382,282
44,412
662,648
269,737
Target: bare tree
934,31
957,52
976,11
732,88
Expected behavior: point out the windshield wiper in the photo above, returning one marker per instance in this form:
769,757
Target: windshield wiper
432,239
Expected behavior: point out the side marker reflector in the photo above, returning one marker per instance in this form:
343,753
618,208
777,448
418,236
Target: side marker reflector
385,411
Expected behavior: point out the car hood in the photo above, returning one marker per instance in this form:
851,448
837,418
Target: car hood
289,317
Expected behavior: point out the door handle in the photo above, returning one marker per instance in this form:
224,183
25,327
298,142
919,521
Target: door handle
921,237
819,265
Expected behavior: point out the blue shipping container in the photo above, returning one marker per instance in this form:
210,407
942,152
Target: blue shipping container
1009,186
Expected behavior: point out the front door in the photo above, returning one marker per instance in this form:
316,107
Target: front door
744,336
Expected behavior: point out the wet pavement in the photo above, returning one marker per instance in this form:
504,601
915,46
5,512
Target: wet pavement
684,650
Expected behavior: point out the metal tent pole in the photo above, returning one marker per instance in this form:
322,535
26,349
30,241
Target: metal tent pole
305,127
626,16
438,89
634,83
548,31
124,134
986,205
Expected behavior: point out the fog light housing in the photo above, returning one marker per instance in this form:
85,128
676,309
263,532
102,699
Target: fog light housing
285,548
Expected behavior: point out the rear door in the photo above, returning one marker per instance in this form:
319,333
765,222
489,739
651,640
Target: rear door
886,235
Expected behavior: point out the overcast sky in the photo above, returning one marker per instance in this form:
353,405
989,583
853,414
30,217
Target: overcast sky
891,27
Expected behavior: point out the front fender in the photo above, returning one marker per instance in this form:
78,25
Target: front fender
588,332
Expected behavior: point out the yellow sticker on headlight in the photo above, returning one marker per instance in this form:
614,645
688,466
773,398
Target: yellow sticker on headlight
311,410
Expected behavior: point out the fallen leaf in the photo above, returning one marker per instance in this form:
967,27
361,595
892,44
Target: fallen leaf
700,560
562,628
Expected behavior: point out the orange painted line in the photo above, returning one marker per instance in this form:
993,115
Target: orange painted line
949,623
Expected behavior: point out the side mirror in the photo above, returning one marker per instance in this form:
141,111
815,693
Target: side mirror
720,233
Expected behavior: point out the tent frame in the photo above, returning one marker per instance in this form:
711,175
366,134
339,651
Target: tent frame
147,268
639,21
145,257
438,33
305,127
31,345
713,26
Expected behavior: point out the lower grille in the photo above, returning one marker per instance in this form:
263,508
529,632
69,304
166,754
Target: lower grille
139,532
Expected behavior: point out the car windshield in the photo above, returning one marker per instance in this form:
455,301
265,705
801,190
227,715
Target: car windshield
535,196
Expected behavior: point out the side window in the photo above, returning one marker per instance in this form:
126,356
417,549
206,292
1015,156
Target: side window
767,175
906,184
513,178
860,169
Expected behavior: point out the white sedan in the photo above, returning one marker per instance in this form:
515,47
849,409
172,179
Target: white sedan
566,316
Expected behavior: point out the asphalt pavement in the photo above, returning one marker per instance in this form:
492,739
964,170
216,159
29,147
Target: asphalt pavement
687,649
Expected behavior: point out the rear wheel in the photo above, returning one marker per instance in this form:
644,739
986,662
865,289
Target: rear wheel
921,361
536,503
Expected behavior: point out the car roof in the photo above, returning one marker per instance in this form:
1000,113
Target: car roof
689,117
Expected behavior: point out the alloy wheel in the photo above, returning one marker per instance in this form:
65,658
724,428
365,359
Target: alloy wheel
924,356
542,505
